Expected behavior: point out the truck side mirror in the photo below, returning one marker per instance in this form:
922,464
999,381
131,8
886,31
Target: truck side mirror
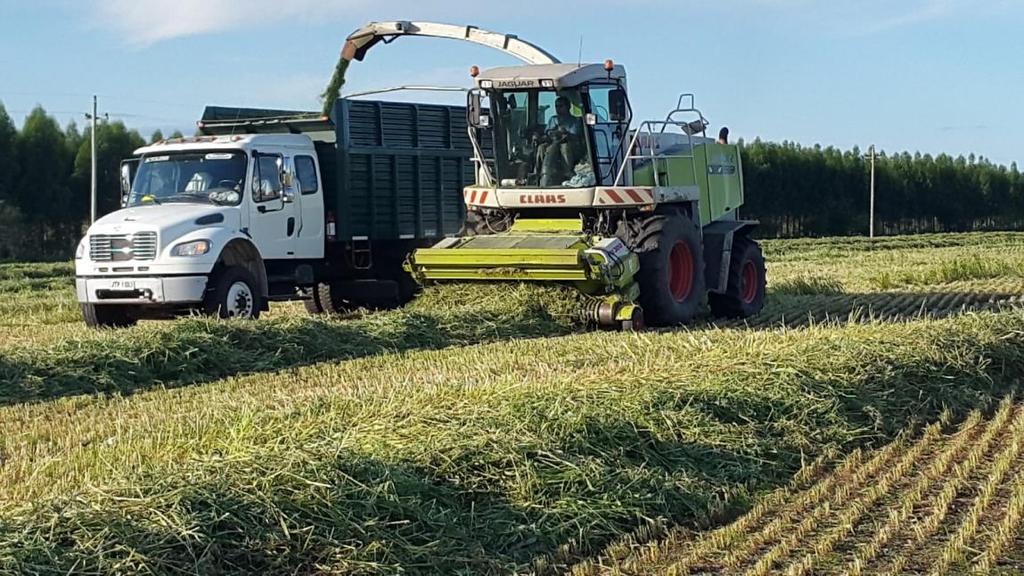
128,169
288,187
618,105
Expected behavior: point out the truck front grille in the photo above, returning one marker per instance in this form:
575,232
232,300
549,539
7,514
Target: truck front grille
122,247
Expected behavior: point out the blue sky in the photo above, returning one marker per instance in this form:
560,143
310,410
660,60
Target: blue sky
928,75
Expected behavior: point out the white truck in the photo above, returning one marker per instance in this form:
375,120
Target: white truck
271,205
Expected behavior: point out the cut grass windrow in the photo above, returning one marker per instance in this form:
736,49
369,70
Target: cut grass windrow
198,350
897,517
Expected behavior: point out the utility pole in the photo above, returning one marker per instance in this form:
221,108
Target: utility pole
871,226
92,201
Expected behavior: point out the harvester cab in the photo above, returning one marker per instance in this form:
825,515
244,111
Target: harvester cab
643,220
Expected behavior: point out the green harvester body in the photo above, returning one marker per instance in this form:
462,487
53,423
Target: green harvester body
577,231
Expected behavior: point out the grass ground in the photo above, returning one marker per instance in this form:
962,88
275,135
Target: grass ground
488,436
949,500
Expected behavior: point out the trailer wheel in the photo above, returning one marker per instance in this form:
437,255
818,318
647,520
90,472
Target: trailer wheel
745,294
671,275
325,301
235,295
107,316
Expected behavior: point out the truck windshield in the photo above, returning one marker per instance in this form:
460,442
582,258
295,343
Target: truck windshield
540,140
206,177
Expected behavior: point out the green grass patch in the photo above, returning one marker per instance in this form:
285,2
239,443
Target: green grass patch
199,350
481,459
23,270
807,285
959,269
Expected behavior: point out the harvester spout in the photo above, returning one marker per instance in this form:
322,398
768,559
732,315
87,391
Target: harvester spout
359,43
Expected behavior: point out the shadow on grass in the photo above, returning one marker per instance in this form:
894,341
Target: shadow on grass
198,351
348,513
800,310
584,478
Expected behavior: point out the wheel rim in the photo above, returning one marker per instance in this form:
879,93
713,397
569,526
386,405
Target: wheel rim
240,302
748,283
680,271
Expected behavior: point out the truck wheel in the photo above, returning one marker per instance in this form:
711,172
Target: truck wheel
235,295
671,275
323,301
108,316
408,287
744,296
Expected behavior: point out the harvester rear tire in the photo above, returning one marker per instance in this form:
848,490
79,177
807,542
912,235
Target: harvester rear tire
745,294
672,289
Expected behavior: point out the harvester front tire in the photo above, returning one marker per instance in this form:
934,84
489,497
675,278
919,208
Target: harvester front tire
745,294
107,316
672,289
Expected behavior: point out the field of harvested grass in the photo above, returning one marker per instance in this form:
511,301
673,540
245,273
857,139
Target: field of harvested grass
484,434
947,500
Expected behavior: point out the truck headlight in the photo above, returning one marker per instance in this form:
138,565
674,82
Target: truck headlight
196,248
80,252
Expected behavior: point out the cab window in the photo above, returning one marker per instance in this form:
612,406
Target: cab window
305,169
267,178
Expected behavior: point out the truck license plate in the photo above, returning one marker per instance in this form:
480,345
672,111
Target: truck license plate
122,284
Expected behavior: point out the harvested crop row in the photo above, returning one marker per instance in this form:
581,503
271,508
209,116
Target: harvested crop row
906,535
803,310
198,350
479,459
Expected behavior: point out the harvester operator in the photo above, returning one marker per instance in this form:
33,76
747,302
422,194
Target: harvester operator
558,157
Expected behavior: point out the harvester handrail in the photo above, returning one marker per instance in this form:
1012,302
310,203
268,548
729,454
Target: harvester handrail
479,160
648,127
693,101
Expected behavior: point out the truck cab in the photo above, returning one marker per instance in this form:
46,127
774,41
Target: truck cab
201,217
275,205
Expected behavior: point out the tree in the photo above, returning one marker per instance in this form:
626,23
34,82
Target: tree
42,193
8,156
114,143
156,137
177,134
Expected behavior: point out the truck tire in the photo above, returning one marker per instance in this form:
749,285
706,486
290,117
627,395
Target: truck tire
744,296
408,287
671,276
235,294
107,316
323,301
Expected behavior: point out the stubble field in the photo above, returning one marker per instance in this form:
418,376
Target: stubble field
855,425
